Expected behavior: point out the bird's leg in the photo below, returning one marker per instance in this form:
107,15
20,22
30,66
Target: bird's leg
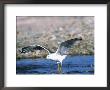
59,68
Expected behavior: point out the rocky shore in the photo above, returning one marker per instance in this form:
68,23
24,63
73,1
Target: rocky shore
51,31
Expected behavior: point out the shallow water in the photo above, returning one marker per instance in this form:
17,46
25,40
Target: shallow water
71,65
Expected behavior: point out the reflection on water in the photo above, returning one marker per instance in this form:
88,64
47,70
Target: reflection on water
71,65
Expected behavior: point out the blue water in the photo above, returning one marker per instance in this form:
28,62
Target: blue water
71,65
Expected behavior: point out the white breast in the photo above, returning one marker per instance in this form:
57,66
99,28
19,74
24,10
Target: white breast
56,57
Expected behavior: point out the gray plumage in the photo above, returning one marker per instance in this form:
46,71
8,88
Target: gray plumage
64,46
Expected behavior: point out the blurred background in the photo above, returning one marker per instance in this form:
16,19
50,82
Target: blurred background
50,31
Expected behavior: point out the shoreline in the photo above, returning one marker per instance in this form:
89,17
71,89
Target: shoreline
45,57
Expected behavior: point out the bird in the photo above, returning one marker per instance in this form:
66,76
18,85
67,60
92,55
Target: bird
59,55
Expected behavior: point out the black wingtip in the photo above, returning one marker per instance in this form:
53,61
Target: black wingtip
80,38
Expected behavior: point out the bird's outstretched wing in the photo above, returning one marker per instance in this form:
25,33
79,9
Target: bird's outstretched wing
64,46
32,48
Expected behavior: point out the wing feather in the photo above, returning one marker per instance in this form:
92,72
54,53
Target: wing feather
32,48
66,45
